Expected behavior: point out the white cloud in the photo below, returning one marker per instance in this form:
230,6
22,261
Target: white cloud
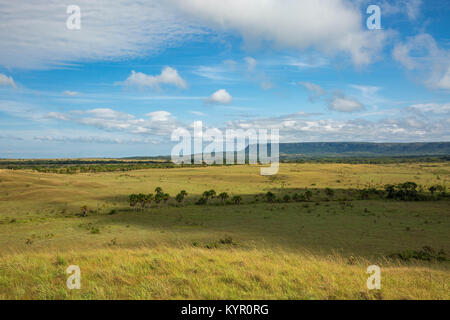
251,63
341,103
420,54
57,116
330,26
404,129
133,28
168,76
366,90
410,8
160,123
444,82
106,113
36,35
197,113
219,73
7,81
71,93
159,115
430,108
220,97
316,90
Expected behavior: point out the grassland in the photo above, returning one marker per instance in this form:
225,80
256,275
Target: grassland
306,250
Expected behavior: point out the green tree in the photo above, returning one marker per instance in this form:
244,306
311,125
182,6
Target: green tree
308,195
270,197
133,200
223,197
166,198
159,199
181,196
141,200
148,201
237,200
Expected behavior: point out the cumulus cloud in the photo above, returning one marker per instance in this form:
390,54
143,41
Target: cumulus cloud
159,123
406,128
132,28
315,90
430,108
7,81
168,76
330,26
337,101
159,115
342,103
420,54
220,97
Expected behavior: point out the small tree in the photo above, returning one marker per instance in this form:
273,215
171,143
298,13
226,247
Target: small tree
329,192
84,211
180,197
159,199
270,197
158,190
287,198
133,200
166,198
142,200
308,195
212,193
209,195
148,201
223,197
237,200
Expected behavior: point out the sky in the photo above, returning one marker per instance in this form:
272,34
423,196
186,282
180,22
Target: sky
136,71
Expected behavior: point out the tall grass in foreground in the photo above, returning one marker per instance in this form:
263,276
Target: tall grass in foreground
198,273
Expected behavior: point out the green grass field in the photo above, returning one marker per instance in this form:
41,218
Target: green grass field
300,250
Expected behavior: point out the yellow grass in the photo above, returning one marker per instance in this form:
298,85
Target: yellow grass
279,251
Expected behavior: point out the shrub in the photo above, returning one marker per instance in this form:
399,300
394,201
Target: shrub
425,254
237,200
270,197
329,192
202,201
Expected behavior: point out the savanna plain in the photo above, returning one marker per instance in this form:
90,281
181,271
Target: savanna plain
313,237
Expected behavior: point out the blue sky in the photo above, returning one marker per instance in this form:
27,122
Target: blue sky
135,72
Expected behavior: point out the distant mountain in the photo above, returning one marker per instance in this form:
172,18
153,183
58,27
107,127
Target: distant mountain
365,149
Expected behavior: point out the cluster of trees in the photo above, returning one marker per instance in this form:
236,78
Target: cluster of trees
408,191
209,195
271,197
82,166
143,201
